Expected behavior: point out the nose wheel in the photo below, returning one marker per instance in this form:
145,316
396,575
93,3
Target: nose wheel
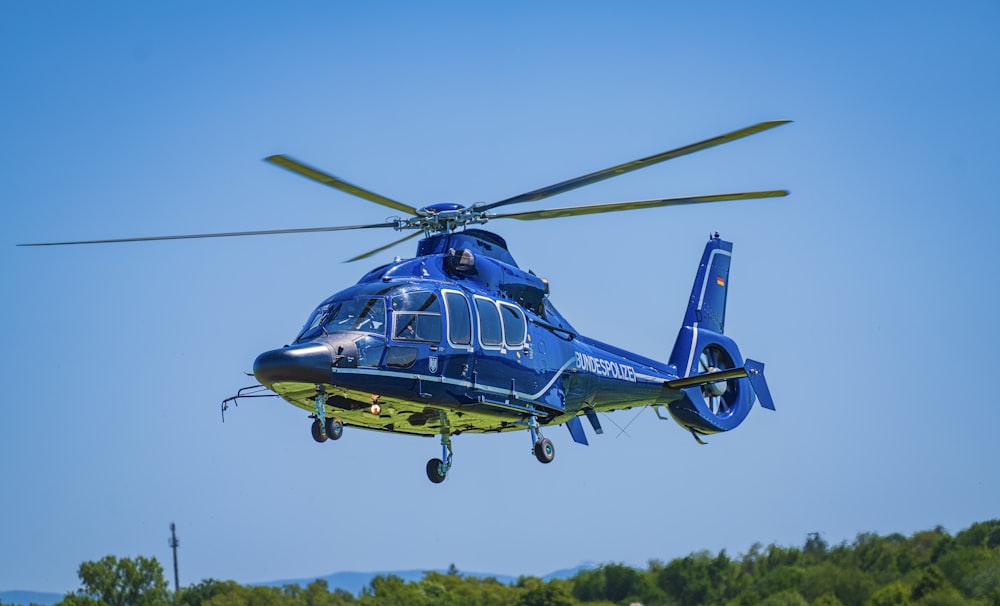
324,427
334,428
318,431
330,428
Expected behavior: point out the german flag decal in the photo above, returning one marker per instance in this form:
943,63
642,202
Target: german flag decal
720,281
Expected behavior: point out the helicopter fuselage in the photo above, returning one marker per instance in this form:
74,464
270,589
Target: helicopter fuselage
458,339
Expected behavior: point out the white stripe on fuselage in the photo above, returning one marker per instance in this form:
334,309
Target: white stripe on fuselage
501,391
459,382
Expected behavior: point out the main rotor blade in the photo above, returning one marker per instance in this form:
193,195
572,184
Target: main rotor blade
219,235
381,248
572,211
614,171
327,179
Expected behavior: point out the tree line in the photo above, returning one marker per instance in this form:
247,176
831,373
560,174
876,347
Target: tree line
928,568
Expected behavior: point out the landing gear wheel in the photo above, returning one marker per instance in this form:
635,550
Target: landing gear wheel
334,428
434,473
317,431
544,450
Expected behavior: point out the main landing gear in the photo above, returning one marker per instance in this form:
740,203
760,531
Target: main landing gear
545,451
437,469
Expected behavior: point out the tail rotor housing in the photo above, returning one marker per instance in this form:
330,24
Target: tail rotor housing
701,348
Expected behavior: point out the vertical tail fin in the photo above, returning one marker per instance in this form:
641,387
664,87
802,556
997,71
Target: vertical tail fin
706,309
702,349
707,306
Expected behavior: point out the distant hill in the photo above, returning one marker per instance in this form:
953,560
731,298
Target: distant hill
356,581
29,597
348,581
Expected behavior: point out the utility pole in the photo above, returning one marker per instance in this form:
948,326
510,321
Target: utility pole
173,545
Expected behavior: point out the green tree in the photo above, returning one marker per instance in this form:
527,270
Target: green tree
780,579
536,592
466,591
962,564
250,596
931,580
687,580
893,594
317,593
929,568
878,556
815,547
623,583
788,597
980,534
946,596
125,582
198,594
392,590
827,599
850,585
984,581
928,546
589,585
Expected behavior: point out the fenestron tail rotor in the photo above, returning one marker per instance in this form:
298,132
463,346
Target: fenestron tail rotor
447,217
715,359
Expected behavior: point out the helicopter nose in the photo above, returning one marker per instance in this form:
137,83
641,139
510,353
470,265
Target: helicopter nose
302,363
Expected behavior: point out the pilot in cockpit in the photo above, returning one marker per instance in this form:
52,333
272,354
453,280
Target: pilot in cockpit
371,320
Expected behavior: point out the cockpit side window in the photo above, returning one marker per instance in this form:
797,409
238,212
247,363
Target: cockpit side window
314,321
514,327
359,314
416,316
459,318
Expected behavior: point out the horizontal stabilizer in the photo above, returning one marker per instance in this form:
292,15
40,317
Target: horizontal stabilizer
752,370
576,430
709,377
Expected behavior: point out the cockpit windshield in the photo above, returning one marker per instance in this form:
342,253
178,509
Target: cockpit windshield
360,314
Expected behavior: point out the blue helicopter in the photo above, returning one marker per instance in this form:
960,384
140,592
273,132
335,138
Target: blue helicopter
460,339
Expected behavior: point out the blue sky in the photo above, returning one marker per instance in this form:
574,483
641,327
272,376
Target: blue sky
868,292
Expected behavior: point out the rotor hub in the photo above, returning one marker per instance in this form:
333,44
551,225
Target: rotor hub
440,209
443,217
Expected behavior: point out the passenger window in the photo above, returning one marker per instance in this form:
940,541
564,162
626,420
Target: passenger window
513,325
416,317
490,330
459,318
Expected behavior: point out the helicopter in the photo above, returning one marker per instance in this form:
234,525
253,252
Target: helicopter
459,339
